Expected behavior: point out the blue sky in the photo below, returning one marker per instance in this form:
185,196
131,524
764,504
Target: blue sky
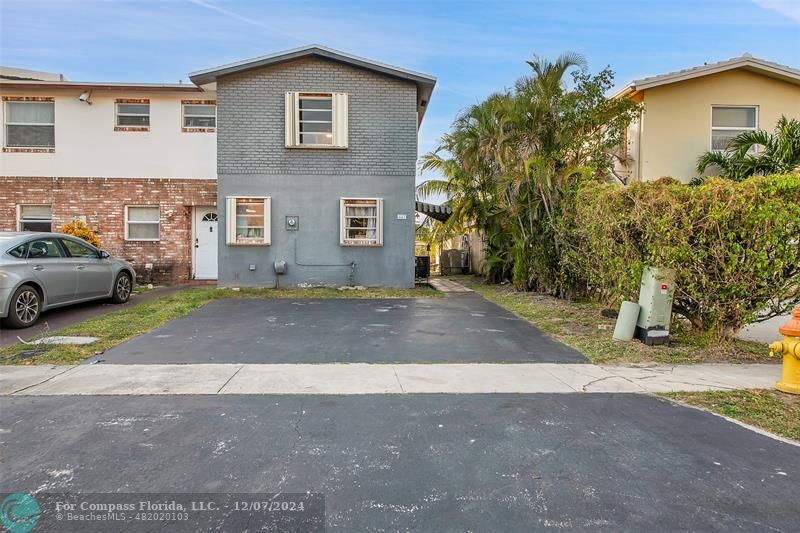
473,47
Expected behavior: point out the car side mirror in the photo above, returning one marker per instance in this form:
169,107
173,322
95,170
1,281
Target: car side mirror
104,254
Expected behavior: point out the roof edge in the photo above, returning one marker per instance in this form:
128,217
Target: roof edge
201,77
99,86
425,82
775,69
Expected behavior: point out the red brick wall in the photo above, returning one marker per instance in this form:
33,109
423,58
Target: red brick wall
102,201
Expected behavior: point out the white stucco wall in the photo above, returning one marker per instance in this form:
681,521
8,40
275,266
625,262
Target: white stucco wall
88,146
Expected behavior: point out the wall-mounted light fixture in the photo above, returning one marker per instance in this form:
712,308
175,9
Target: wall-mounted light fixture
85,96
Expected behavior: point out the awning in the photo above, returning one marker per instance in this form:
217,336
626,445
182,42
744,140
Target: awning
437,212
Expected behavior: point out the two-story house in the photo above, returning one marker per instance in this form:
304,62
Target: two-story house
690,112
293,168
316,159
135,161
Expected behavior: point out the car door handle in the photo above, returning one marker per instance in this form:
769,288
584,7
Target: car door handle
38,267
80,267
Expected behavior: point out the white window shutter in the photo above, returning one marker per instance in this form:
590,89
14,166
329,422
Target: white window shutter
230,220
342,221
340,120
291,119
267,220
379,212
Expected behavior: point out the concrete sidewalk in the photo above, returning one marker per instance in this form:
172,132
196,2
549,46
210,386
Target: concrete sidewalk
360,378
446,285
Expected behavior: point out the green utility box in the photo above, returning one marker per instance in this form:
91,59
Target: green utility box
655,305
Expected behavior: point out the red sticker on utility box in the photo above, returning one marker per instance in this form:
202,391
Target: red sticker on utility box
663,288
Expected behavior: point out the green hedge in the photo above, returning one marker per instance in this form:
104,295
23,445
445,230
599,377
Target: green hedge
734,245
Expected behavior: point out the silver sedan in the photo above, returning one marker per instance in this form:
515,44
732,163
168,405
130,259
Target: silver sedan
40,271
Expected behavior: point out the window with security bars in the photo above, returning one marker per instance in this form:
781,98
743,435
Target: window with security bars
361,222
316,120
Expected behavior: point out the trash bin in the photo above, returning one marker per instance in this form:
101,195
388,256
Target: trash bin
626,321
422,269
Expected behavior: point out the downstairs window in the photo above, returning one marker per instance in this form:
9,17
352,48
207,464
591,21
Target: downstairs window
247,220
361,222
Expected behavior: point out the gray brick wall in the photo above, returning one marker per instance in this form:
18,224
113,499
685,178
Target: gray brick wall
250,120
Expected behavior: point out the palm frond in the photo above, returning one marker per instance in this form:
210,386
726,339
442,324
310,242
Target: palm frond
432,187
708,159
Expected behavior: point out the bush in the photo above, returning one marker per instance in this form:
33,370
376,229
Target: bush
735,246
78,228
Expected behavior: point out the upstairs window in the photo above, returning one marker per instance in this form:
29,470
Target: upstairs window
132,115
247,220
729,121
361,222
197,116
30,125
316,120
34,218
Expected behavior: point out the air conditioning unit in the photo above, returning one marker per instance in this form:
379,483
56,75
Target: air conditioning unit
655,305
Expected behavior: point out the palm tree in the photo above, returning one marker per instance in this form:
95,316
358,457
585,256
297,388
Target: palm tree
779,153
510,164
466,160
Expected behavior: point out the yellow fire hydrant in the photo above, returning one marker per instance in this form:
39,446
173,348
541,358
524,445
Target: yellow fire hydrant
790,348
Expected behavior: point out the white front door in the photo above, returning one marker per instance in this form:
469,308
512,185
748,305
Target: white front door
205,243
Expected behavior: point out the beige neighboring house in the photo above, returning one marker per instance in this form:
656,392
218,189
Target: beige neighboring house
690,112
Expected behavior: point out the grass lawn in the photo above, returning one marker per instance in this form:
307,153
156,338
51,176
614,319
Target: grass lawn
119,326
582,326
771,410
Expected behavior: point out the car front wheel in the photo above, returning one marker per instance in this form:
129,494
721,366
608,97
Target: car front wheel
26,306
122,288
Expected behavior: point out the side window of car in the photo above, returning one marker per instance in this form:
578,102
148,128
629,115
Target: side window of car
77,249
44,248
19,251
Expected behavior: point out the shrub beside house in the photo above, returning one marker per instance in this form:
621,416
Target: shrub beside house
735,246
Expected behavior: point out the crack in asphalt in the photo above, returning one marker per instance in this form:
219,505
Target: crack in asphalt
293,449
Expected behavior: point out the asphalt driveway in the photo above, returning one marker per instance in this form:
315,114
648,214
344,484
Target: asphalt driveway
458,328
418,462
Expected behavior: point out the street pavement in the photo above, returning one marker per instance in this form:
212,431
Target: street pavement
439,462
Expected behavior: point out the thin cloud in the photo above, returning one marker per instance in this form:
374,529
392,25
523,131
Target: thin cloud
787,8
241,18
